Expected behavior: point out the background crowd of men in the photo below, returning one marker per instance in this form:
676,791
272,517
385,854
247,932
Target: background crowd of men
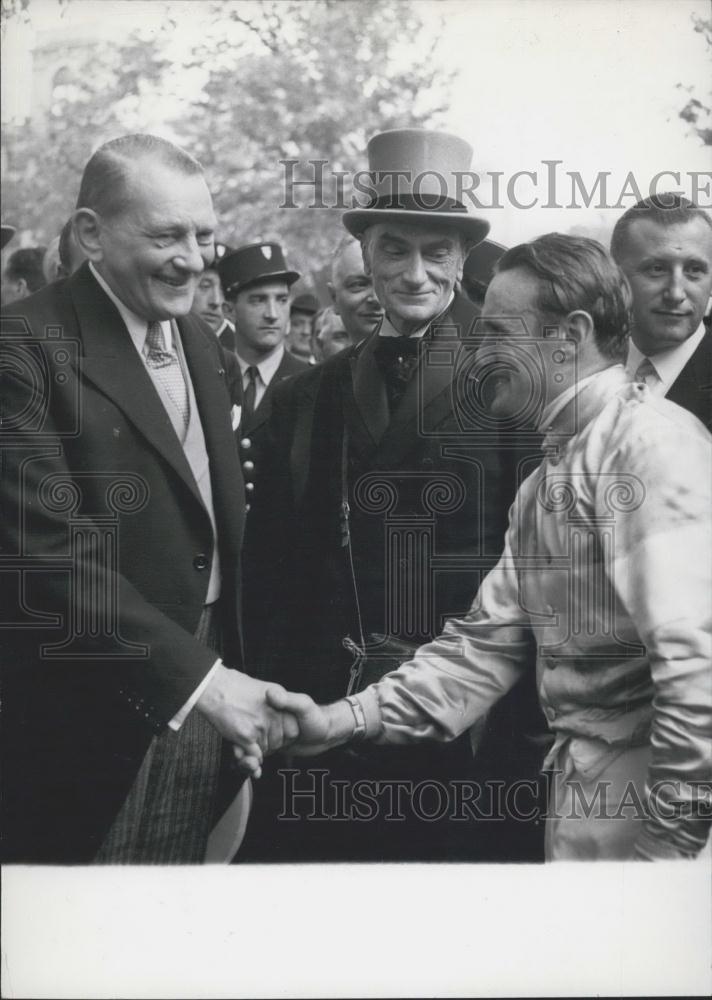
291,481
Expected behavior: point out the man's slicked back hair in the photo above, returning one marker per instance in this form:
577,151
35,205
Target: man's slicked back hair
575,273
663,209
103,184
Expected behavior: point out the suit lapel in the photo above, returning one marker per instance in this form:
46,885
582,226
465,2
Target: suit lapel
112,364
692,389
287,366
365,399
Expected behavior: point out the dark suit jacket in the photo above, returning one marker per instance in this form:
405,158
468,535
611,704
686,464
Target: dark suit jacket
692,389
106,544
428,512
252,434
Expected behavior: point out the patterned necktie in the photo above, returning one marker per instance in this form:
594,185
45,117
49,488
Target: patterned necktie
248,399
645,372
397,357
166,369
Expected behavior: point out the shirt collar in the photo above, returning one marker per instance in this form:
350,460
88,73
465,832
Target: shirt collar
388,330
552,416
135,324
267,367
669,363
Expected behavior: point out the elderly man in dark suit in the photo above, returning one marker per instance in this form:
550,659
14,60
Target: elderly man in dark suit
382,507
664,246
121,535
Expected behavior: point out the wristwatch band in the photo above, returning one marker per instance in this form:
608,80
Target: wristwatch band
359,717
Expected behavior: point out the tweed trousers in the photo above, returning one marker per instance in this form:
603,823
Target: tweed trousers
169,811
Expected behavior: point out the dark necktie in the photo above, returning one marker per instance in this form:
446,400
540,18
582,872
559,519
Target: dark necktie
397,357
166,369
248,400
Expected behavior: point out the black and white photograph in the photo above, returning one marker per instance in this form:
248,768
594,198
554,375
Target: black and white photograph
356,476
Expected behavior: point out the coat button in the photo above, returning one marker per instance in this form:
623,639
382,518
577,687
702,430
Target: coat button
201,561
248,466
249,486
245,443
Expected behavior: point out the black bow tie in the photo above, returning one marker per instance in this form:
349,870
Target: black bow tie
392,350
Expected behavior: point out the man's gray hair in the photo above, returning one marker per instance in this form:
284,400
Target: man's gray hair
342,246
104,181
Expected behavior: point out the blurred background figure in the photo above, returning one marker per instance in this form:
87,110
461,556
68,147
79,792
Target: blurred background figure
479,269
330,335
352,293
301,318
208,305
22,274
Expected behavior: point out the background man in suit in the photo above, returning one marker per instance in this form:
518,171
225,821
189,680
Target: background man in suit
352,293
664,246
379,430
256,282
123,522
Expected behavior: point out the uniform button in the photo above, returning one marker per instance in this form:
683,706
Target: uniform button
247,507
245,443
201,561
249,486
248,466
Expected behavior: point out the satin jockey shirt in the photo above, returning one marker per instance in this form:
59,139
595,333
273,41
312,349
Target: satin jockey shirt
606,569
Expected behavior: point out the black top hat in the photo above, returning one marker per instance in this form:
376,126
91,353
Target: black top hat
6,234
305,303
480,263
418,175
253,264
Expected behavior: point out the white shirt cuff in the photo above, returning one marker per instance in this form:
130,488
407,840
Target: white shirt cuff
182,713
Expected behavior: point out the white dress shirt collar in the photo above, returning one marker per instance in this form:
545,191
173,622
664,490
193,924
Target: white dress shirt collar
135,324
265,368
550,421
667,364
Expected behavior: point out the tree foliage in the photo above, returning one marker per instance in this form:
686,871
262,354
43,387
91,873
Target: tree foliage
698,113
274,81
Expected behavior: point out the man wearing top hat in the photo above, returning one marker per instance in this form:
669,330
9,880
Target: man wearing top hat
378,431
256,282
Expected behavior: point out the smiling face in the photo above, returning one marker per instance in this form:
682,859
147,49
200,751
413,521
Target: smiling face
261,315
353,294
513,325
208,301
414,270
669,269
153,250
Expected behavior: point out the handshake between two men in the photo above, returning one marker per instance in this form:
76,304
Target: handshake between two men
260,718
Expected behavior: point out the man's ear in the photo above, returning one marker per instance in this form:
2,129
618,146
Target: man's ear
366,255
579,327
332,295
87,230
229,310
